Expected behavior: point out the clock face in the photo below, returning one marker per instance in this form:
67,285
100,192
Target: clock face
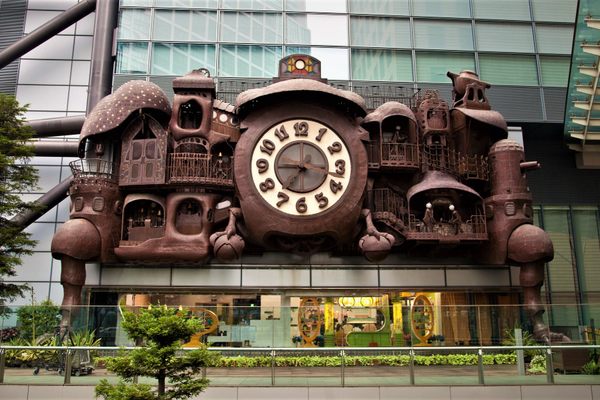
301,167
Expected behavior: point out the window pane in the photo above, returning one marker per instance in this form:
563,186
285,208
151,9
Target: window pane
554,39
555,70
253,4
187,3
249,61
508,69
179,59
505,9
132,58
554,10
316,5
334,62
381,65
251,27
442,8
379,32
585,225
432,67
504,37
443,35
185,25
317,29
142,3
134,24
385,7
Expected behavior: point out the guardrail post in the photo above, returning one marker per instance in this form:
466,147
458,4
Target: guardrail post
68,365
480,366
549,366
343,367
411,366
2,362
272,367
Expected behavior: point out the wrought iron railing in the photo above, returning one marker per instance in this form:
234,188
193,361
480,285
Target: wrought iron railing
199,168
93,168
473,228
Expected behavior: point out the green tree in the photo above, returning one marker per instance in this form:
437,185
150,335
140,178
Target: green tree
16,177
38,320
161,331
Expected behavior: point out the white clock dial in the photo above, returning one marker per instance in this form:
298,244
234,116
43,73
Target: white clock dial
301,167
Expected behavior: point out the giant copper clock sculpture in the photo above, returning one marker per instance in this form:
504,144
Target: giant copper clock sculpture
299,166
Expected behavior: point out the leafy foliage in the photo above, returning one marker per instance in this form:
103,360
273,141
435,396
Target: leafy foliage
387,360
38,320
161,330
591,368
537,364
16,176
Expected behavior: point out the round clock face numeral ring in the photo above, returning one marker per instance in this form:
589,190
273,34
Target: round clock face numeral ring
300,167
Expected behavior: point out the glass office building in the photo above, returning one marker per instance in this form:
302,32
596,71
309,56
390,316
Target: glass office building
379,48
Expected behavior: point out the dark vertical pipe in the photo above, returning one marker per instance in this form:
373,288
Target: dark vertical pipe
46,31
103,51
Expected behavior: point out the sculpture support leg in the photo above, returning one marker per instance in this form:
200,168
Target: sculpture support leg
532,279
72,279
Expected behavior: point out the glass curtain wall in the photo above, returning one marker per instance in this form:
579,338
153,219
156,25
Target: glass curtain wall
514,42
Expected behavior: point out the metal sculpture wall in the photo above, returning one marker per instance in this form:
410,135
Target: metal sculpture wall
299,166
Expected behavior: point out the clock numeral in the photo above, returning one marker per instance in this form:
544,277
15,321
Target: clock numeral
340,167
267,185
335,186
284,198
322,131
262,164
267,146
301,206
281,133
336,147
322,200
301,128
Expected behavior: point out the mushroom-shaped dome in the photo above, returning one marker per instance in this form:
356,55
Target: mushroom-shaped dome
389,109
115,108
301,85
506,145
440,180
489,117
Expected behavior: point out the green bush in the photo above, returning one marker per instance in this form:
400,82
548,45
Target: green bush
537,364
351,361
591,368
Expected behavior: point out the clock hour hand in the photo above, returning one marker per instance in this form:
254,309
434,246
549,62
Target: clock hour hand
290,180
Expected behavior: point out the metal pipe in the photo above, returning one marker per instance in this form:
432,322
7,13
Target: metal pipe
46,202
46,31
55,148
103,51
57,126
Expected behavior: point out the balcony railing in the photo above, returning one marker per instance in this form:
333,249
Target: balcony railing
93,168
199,168
473,229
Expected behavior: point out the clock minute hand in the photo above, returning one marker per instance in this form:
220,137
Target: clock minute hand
322,170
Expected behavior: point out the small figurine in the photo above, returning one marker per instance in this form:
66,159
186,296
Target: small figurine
455,220
428,219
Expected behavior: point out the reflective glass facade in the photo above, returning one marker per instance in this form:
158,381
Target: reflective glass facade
520,46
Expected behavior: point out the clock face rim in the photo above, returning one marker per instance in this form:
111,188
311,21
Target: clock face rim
288,208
